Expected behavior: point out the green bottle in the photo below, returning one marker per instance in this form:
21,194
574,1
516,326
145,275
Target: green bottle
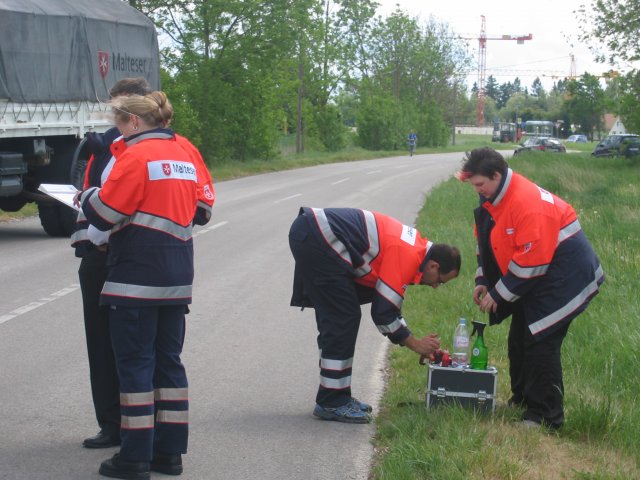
479,352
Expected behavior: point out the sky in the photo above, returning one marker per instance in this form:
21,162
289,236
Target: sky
552,23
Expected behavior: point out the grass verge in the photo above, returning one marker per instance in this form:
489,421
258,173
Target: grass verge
600,353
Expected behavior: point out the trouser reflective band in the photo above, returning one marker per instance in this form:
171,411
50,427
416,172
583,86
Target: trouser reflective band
137,410
173,416
335,383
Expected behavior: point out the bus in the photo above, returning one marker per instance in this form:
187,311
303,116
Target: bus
539,128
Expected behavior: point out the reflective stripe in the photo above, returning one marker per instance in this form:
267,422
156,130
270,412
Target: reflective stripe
374,244
527,272
173,416
329,236
479,273
569,230
109,214
389,293
505,292
337,365
80,236
504,189
335,383
136,399
144,291
392,327
576,302
136,423
206,207
171,394
162,225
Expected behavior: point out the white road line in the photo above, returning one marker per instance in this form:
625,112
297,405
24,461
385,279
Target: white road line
43,301
375,171
340,181
288,198
208,229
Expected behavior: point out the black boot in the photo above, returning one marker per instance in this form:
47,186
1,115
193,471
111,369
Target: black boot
115,467
167,463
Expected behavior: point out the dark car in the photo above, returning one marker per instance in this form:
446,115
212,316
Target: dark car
541,144
614,145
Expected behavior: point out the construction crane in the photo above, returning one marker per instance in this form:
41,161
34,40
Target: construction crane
482,62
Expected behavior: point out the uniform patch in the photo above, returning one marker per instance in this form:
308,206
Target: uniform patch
408,235
208,194
171,169
546,196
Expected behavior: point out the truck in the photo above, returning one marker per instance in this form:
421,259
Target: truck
58,60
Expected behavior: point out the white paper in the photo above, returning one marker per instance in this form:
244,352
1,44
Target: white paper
62,193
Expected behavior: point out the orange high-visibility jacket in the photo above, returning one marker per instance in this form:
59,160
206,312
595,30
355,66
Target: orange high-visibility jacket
148,203
542,256
381,253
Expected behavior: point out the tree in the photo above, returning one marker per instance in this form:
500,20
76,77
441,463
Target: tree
585,105
492,88
614,26
537,90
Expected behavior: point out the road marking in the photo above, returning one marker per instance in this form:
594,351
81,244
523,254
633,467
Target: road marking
288,198
375,171
208,229
340,181
43,301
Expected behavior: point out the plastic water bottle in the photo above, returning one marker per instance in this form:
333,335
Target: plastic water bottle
460,354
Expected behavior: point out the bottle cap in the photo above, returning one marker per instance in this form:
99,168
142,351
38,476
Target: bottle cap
463,321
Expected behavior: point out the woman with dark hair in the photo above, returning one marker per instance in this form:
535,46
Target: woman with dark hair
535,264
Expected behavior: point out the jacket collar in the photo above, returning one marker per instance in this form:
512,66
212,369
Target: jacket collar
502,189
156,133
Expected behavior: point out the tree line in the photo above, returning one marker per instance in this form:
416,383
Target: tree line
241,74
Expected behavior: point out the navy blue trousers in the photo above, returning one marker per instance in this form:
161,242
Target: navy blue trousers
334,295
147,342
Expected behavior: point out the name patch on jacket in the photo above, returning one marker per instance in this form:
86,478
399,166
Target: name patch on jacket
171,169
408,235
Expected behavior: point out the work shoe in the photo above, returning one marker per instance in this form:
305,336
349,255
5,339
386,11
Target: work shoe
365,407
101,440
115,467
349,413
167,463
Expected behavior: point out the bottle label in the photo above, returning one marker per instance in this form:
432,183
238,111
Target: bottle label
462,342
476,352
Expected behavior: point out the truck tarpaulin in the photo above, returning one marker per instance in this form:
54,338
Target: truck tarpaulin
73,50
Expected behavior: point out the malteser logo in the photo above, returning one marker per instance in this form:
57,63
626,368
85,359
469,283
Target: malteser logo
166,168
103,63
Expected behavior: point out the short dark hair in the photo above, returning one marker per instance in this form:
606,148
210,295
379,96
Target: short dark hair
483,161
447,256
130,86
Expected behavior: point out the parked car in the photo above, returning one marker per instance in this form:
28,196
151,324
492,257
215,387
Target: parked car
541,144
614,145
577,139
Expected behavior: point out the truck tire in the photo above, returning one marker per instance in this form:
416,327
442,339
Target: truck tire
56,219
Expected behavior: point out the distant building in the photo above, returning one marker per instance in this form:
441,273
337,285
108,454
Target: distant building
613,124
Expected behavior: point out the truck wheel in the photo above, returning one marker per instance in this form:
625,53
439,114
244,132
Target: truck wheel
57,220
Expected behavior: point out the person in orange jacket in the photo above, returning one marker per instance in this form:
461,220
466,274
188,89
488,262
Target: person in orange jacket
345,257
535,264
149,205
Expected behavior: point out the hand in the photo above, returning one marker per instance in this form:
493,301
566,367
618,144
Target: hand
488,304
425,345
479,293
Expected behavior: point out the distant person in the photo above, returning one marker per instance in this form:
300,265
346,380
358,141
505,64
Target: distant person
535,264
149,204
345,257
91,246
412,141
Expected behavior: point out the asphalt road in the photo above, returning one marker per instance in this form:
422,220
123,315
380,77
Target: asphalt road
252,360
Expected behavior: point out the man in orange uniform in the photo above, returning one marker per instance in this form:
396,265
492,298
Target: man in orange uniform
346,257
535,264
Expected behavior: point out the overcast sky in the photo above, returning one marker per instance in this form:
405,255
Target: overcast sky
552,23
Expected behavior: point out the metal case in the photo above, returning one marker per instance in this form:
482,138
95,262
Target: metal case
469,388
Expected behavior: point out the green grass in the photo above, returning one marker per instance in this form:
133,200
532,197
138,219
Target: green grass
600,439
